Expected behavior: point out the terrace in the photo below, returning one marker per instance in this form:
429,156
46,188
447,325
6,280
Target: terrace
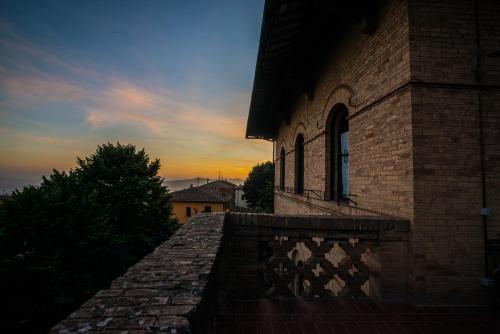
258,273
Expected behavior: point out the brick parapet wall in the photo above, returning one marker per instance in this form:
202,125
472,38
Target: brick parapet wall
171,290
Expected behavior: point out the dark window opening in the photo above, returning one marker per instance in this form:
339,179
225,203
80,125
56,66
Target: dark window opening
188,211
299,164
337,154
282,169
207,209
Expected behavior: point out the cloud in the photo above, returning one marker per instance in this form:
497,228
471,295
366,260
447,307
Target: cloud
126,103
116,101
33,89
192,138
27,57
29,74
161,112
134,95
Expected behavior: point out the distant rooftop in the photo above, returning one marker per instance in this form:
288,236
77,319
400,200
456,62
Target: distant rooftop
197,194
219,184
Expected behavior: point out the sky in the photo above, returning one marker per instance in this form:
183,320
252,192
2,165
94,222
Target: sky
171,76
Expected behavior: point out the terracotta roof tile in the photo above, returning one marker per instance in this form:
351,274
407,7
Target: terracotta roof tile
197,194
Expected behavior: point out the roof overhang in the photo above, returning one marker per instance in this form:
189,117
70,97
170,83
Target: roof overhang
296,37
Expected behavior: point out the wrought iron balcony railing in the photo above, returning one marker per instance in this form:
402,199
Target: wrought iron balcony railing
308,193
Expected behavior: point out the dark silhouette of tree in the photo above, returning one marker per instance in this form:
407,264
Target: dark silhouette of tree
258,187
64,240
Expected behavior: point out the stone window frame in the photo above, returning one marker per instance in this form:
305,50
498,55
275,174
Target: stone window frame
333,183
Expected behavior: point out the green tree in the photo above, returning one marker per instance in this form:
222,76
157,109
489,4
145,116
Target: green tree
64,240
258,187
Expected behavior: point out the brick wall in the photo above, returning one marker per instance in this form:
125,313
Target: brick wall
447,233
362,69
490,100
447,240
491,115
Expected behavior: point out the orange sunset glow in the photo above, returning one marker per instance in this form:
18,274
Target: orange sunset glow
184,100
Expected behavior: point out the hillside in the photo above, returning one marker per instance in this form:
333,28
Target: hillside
174,185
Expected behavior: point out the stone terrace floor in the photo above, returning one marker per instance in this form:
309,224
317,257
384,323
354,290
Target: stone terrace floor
345,316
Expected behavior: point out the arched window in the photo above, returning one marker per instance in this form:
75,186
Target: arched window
299,164
337,154
282,169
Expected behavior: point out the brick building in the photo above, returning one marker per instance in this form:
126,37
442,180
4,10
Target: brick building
389,108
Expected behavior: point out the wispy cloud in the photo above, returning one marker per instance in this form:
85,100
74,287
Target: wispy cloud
195,139
161,112
24,55
35,89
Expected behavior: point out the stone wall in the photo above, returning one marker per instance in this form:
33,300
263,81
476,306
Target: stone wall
311,256
171,290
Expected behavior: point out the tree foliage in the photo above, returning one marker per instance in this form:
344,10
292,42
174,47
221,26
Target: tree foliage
258,187
64,240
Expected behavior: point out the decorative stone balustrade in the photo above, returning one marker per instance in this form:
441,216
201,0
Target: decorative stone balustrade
314,256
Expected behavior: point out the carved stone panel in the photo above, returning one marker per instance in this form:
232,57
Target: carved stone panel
314,267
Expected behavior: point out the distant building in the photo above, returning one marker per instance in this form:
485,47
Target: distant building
239,198
223,188
191,201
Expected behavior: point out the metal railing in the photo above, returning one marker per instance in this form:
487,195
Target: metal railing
316,194
308,193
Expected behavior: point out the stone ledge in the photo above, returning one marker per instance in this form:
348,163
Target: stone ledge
322,223
168,291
